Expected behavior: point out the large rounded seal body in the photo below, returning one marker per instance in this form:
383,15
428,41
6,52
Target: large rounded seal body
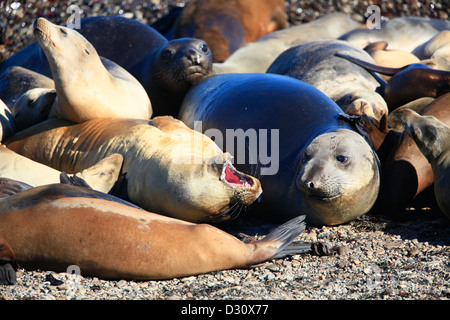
169,168
352,87
228,25
291,121
82,81
402,33
406,171
432,137
257,56
55,226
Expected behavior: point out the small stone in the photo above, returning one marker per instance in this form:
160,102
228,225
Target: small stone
414,251
342,250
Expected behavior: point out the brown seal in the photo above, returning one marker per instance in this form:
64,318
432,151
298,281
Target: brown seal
408,83
170,169
56,226
432,137
407,173
228,25
82,81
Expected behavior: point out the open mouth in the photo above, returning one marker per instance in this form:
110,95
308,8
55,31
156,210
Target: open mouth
234,178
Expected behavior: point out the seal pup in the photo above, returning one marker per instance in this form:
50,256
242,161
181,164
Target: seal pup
352,88
406,171
85,88
170,169
310,158
101,176
257,56
228,25
402,33
432,137
118,241
408,83
7,125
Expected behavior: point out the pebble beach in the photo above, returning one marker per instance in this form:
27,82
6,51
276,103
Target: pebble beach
375,257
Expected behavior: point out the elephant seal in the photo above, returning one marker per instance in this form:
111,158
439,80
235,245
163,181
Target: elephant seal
101,176
228,25
82,81
15,81
164,68
7,125
407,173
402,33
409,83
8,263
170,169
352,88
310,158
432,137
54,226
257,56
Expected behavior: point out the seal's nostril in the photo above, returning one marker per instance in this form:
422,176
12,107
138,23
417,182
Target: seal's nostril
310,185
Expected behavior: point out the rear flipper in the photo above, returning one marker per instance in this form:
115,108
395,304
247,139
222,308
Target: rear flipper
7,274
8,264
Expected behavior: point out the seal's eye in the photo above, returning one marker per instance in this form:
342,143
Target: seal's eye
306,157
64,32
342,159
204,48
87,51
166,54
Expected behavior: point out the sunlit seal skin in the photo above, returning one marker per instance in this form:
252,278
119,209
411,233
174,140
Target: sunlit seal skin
85,88
15,81
8,263
433,140
409,83
118,241
228,25
166,69
318,164
7,125
407,172
101,176
402,33
170,169
257,56
33,107
352,87
435,53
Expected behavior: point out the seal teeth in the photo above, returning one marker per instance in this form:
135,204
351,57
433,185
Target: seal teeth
234,178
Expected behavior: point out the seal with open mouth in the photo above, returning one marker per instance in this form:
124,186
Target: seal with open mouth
170,169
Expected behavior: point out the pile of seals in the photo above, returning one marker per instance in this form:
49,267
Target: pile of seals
149,139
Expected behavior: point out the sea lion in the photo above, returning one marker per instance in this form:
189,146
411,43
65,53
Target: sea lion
402,33
55,226
409,83
101,176
33,107
406,172
318,164
137,48
352,88
257,56
433,140
435,53
228,25
170,169
85,88
15,81
8,263
7,125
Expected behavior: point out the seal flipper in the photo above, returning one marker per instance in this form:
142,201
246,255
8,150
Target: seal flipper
9,187
8,264
73,180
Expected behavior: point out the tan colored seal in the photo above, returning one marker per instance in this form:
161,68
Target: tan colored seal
85,88
55,226
170,169
435,53
432,137
101,176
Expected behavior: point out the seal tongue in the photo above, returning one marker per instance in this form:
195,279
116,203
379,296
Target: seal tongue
234,178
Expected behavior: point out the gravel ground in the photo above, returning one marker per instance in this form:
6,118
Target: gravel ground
373,258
